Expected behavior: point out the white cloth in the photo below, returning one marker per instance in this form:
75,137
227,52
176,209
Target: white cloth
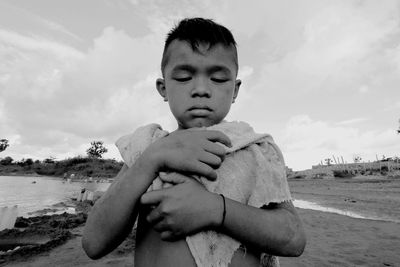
8,217
252,173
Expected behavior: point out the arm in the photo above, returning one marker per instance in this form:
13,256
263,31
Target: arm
181,209
112,217
275,229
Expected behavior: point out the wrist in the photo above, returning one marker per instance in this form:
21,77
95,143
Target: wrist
146,163
218,218
221,225
150,160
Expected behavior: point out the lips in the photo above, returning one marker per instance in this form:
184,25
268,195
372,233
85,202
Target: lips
200,107
200,110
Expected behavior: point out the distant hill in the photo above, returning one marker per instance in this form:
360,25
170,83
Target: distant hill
81,167
389,168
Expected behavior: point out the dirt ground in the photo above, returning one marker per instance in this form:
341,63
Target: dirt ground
332,239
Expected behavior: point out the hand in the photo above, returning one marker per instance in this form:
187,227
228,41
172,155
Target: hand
191,151
183,209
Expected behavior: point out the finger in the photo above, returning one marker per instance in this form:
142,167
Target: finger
211,160
154,216
152,197
200,168
160,226
174,178
217,136
167,236
215,149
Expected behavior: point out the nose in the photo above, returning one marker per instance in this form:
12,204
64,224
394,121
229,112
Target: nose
201,88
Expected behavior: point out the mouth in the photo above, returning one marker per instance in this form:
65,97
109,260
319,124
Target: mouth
200,111
200,107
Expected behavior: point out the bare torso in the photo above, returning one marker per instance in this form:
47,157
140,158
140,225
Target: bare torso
150,250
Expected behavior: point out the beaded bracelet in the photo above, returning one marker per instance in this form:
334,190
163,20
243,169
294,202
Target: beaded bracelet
224,212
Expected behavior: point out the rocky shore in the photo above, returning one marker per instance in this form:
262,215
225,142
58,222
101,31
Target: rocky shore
34,235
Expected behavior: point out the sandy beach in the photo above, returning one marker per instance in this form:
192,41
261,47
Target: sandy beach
332,239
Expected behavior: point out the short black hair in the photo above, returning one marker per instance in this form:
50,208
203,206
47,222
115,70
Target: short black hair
196,31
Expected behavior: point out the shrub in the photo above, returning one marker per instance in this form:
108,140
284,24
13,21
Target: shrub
6,161
342,174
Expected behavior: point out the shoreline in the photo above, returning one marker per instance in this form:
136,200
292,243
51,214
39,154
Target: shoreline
308,205
33,236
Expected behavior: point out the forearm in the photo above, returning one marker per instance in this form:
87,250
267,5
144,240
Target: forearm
276,231
112,217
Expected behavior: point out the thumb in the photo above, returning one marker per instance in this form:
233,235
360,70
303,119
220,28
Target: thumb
174,178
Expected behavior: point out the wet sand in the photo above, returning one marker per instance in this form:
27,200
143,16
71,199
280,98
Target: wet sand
371,196
72,254
338,240
332,239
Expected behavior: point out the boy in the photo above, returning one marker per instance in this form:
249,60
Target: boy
211,193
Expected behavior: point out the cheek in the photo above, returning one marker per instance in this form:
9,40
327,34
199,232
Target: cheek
177,104
226,92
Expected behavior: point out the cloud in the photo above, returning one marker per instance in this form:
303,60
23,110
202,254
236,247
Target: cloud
363,89
60,97
37,44
14,16
352,121
342,46
70,97
306,142
59,28
54,95
245,72
393,106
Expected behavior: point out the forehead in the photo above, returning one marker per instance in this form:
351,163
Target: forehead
181,53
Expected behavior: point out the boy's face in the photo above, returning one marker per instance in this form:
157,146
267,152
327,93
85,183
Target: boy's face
199,86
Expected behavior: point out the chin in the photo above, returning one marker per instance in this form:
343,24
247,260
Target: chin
197,123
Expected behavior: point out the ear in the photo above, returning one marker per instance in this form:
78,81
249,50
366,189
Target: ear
160,84
236,91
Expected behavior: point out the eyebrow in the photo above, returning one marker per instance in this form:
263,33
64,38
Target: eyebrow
210,70
184,67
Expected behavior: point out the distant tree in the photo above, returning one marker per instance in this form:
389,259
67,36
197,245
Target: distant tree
28,161
49,160
3,144
357,159
96,150
6,161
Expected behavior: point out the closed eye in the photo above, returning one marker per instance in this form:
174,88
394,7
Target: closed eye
185,79
219,80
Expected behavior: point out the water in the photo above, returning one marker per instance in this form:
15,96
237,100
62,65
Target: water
303,204
48,191
36,193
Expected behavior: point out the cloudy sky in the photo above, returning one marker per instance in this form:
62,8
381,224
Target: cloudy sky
323,77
